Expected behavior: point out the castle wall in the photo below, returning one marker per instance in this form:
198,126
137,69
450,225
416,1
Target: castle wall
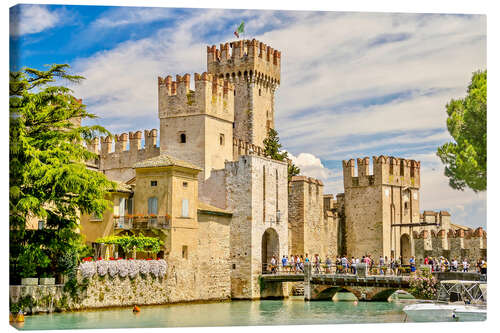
118,165
193,150
364,221
451,244
213,189
254,214
214,256
296,217
312,230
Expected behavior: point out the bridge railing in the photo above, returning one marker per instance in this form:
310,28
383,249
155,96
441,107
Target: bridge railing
268,268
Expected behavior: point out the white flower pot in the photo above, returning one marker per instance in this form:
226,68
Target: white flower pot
47,281
29,281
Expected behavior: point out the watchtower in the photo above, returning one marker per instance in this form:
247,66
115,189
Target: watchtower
197,125
254,68
379,206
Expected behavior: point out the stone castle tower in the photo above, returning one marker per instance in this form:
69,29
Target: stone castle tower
380,206
254,68
197,125
228,113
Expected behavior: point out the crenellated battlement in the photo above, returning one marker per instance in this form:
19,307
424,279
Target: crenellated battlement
450,243
132,139
245,59
387,170
117,164
213,96
241,147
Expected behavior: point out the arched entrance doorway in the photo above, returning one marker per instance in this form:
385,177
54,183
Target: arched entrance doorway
270,248
405,248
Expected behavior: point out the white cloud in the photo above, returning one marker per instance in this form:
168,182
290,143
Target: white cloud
122,16
311,166
30,19
122,82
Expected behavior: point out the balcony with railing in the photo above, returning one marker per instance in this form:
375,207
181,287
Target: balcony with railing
142,222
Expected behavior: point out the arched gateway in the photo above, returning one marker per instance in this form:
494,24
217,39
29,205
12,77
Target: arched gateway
270,247
405,248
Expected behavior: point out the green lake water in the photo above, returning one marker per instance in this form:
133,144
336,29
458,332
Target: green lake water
292,311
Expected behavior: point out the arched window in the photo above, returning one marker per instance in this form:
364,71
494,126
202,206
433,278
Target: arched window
183,138
153,206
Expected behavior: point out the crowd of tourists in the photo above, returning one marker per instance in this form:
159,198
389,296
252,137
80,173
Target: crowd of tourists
383,265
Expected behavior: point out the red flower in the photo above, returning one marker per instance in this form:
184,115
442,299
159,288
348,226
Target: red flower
149,259
99,258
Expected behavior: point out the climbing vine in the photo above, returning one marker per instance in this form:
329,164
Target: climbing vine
139,243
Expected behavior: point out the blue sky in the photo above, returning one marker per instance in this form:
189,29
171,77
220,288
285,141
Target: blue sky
353,84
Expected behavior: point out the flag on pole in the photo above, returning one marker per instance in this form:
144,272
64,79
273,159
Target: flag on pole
240,29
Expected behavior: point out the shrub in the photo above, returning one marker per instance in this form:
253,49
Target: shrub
423,285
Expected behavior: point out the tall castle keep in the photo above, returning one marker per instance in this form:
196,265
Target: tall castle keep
254,68
223,209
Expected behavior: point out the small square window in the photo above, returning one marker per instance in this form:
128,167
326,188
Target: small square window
154,183
182,138
185,184
184,252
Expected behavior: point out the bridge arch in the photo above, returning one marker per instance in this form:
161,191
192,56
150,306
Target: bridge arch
270,246
383,295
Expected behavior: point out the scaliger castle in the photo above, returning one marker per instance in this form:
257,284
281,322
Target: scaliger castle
223,209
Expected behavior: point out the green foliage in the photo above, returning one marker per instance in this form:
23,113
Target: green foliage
75,289
423,285
128,243
272,148
31,258
465,158
48,177
24,304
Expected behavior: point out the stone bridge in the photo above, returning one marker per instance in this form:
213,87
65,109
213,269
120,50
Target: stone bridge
324,286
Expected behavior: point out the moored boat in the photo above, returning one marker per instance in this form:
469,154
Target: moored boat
456,301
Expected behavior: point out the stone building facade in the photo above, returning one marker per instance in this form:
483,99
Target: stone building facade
223,209
206,190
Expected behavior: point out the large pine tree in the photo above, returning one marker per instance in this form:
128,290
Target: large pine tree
49,179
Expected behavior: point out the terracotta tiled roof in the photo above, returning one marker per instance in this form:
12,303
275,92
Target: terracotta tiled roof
204,207
164,160
122,187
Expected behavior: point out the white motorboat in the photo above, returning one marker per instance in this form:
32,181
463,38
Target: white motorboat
469,303
469,313
425,312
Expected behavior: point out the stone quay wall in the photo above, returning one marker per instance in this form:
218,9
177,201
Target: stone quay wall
106,291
